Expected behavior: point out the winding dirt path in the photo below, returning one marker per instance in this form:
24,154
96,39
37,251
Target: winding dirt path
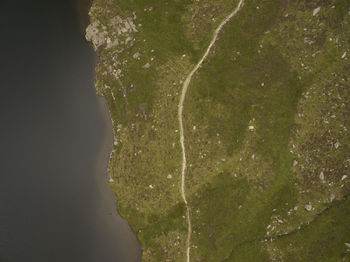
182,138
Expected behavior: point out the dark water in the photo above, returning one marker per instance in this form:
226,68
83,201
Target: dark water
55,134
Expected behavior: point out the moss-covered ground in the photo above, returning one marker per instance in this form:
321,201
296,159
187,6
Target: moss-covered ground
266,122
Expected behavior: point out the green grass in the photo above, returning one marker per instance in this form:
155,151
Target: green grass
273,67
323,240
232,79
229,90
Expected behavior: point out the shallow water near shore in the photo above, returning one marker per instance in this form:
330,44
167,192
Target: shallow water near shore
56,136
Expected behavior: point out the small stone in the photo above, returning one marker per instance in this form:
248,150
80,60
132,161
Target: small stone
321,175
295,163
251,128
136,55
169,176
316,10
308,207
151,186
347,245
147,66
336,145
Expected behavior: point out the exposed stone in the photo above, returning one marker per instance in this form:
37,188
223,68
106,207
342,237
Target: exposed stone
147,66
321,175
136,55
308,207
295,163
94,35
316,10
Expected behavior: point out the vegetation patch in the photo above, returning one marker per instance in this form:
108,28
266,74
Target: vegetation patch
266,121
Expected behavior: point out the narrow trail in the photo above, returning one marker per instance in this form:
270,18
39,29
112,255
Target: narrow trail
182,138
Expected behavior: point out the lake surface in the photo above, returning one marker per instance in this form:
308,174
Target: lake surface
55,139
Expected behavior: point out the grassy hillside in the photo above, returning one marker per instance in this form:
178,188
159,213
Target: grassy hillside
266,126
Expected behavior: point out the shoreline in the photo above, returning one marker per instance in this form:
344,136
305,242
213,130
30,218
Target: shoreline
110,199
251,60
103,162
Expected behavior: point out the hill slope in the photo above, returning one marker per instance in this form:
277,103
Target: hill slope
266,119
